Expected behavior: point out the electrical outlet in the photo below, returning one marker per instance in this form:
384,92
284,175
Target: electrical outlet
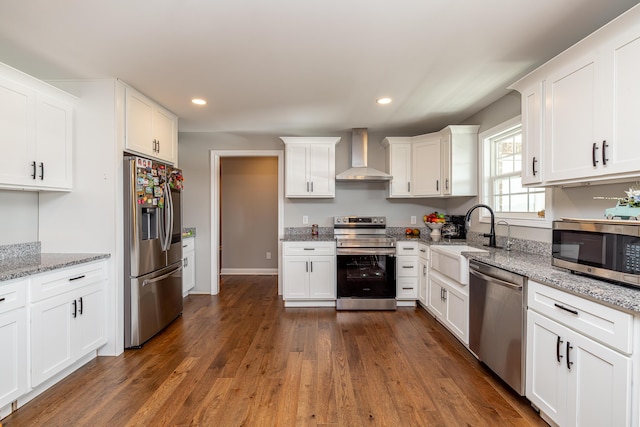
305,219
413,219
268,255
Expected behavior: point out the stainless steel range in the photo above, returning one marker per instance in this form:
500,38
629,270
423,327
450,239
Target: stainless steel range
366,259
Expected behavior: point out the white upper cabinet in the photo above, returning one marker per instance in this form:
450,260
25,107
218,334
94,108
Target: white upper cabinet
579,110
532,119
310,166
151,130
399,165
438,164
36,133
459,160
425,165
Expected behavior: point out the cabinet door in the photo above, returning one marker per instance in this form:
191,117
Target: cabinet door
437,304
322,277
188,272
532,134
599,384
16,134
296,179
545,377
425,167
457,314
139,123
165,126
423,282
295,282
89,330
54,143
621,154
572,122
400,169
13,357
322,175
51,337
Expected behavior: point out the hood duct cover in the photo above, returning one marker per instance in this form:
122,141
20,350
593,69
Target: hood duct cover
359,170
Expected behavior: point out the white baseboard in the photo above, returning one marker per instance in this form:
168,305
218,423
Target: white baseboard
249,271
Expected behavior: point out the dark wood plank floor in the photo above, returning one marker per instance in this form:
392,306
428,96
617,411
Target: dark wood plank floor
242,359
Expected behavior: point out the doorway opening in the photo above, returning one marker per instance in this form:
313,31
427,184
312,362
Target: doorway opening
218,213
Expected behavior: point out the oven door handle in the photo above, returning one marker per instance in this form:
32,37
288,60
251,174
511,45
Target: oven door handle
366,251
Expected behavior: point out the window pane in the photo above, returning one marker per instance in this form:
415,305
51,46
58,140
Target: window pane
519,203
503,161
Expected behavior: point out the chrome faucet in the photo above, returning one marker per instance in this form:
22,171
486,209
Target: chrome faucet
492,230
507,245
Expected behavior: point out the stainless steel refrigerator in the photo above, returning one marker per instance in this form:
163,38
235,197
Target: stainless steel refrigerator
153,248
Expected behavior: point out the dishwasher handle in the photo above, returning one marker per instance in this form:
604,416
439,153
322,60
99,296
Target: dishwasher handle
494,280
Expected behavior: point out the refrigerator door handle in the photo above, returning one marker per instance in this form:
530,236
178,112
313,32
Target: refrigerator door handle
160,278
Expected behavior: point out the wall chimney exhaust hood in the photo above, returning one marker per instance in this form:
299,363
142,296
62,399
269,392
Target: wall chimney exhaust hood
359,170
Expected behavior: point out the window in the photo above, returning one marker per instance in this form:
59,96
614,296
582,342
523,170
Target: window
501,188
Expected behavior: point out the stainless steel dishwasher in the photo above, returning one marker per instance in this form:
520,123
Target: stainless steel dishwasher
497,324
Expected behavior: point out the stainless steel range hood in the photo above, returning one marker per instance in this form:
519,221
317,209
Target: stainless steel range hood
359,170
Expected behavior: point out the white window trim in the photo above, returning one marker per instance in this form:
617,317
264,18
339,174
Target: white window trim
515,218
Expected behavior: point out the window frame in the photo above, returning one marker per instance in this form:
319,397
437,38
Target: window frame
528,219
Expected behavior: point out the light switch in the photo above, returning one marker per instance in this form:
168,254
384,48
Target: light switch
305,219
413,219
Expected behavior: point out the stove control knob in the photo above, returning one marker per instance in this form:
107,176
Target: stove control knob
381,220
338,220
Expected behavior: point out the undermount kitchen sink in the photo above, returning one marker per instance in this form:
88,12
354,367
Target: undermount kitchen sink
449,261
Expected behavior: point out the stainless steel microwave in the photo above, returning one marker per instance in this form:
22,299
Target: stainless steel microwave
606,249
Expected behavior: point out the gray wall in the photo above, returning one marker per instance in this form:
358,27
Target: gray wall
18,217
249,213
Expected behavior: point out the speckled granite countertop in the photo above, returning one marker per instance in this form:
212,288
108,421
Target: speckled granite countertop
17,261
539,268
322,237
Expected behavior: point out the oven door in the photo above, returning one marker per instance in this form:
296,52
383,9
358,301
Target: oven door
366,273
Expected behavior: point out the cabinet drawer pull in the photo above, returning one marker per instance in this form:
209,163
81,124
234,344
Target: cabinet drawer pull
407,266
81,306
437,185
33,175
75,309
408,187
407,289
533,166
594,159
562,307
604,154
309,249
2,299
558,344
76,278
569,348
446,184
41,171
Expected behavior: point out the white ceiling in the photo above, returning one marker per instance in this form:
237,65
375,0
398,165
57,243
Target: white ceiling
301,67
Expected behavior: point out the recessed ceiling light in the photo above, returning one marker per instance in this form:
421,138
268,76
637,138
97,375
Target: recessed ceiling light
383,101
199,101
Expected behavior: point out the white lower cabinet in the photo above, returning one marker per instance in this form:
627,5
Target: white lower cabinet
407,268
449,303
13,336
309,273
571,377
188,265
69,322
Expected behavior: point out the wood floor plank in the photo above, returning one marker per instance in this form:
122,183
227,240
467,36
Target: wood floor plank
242,359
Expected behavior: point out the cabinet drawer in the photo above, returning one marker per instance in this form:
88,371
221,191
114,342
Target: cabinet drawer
13,295
309,248
423,251
407,267
188,244
60,281
406,248
407,288
604,324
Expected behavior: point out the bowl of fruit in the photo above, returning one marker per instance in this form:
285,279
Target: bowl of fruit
435,221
